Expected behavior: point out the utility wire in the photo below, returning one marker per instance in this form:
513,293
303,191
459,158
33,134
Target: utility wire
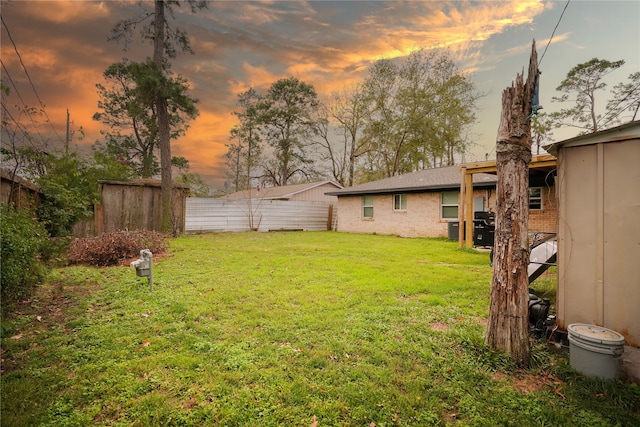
25,109
29,78
19,126
554,31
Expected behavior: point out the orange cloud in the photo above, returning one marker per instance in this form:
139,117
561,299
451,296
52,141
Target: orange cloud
70,10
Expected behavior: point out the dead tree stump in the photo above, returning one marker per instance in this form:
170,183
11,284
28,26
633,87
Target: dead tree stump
508,324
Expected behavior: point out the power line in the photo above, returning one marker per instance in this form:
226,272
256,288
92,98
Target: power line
26,110
19,126
29,78
554,31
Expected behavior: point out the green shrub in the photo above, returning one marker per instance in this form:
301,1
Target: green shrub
111,248
22,243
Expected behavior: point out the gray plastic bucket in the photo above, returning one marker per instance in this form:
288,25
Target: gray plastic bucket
595,351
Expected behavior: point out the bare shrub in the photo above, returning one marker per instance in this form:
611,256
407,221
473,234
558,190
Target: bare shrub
111,248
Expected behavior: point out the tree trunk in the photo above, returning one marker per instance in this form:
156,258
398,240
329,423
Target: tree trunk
163,123
508,324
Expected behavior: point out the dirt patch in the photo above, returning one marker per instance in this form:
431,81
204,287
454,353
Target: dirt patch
525,383
439,326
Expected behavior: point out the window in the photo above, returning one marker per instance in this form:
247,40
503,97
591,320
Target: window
367,206
535,198
449,203
399,202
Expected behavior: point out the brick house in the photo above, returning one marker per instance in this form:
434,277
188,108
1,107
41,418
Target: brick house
424,203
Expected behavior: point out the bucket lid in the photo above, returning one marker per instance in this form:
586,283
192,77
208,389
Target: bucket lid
595,334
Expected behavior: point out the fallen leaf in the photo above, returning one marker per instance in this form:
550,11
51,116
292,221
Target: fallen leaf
298,350
315,422
16,337
144,344
372,424
39,318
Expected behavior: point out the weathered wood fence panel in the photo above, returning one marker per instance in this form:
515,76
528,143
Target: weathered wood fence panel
135,205
266,215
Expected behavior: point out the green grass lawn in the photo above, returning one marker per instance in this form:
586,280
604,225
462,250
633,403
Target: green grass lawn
291,329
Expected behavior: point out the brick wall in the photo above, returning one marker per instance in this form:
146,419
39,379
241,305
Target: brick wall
545,219
420,219
422,216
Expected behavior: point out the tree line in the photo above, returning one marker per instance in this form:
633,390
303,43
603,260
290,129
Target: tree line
406,115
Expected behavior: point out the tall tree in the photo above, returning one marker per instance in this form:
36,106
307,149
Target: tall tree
626,97
165,40
541,130
343,115
128,111
245,152
508,323
286,113
422,107
581,86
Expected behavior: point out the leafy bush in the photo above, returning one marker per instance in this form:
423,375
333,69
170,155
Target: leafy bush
22,243
111,248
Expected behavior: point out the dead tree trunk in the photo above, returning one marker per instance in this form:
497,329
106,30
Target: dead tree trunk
508,325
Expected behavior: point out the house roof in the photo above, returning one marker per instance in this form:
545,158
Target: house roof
283,192
424,180
626,131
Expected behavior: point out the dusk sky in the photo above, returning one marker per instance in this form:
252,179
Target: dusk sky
329,44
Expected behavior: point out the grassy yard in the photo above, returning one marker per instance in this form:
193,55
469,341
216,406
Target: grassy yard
292,329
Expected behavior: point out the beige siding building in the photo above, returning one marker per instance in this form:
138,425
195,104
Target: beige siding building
599,230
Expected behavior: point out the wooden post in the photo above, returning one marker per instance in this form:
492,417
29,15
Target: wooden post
461,199
508,324
468,210
330,218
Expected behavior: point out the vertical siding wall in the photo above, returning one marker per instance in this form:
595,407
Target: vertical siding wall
266,215
599,237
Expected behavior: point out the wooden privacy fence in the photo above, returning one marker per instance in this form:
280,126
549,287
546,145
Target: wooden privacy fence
262,215
133,205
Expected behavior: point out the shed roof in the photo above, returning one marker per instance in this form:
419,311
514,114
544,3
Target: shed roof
424,180
619,133
9,176
282,192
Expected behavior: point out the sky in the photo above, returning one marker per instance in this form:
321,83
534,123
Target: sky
54,53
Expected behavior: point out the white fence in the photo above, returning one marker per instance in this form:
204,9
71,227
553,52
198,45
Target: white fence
205,214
